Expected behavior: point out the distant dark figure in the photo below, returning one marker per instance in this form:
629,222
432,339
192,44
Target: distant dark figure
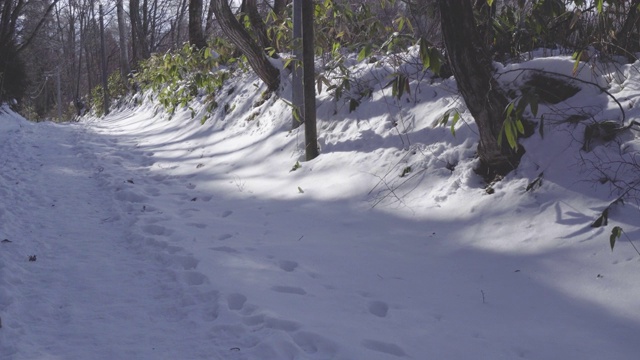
80,106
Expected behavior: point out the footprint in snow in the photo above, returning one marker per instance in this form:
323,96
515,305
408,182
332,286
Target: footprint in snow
225,236
312,343
226,213
236,301
287,265
289,290
378,308
384,347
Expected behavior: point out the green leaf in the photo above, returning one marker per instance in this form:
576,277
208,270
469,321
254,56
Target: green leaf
615,234
489,2
599,6
519,126
576,63
364,53
456,117
424,53
510,133
602,220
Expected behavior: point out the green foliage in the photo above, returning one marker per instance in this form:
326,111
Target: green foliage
513,125
430,56
296,166
96,99
444,120
399,85
616,232
180,77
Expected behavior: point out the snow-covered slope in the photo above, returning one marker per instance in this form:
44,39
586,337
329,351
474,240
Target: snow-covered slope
161,238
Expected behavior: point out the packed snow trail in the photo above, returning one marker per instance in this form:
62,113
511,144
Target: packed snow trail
88,294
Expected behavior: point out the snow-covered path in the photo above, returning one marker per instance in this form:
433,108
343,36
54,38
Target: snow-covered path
88,295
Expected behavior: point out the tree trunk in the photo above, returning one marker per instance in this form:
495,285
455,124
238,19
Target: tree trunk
103,57
297,98
125,70
196,37
259,27
627,39
279,7
239,37
472,68
139,45
309,82
209,21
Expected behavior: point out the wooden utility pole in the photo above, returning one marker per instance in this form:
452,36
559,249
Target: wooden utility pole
103,55
296,75
309,80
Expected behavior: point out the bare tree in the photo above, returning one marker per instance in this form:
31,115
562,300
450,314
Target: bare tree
196,37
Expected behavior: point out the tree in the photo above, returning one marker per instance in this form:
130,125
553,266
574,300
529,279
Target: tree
472,68
241,38
309,81
124,53
196,36
17,31
139,43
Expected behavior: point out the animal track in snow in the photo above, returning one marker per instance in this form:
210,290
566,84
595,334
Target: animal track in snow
383,347
226,213
287,265
236,301
225,236
195,278
289,290
378,308
312,343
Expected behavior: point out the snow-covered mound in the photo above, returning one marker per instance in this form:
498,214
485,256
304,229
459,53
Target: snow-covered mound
157,238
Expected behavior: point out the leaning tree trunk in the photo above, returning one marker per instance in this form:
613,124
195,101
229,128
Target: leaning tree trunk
196,37
472,68
241,38
258,25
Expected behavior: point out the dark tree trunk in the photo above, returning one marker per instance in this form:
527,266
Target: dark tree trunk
628,38
258,26
209,22
279,7
196,36
309,82
125,70
472,68
241,38
139,45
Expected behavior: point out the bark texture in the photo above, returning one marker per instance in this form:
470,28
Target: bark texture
472,68
196,36
241,38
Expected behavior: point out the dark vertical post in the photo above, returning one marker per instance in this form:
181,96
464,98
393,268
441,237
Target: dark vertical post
309,80
103,55
296,75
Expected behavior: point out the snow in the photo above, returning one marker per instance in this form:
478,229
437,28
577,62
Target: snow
161,238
